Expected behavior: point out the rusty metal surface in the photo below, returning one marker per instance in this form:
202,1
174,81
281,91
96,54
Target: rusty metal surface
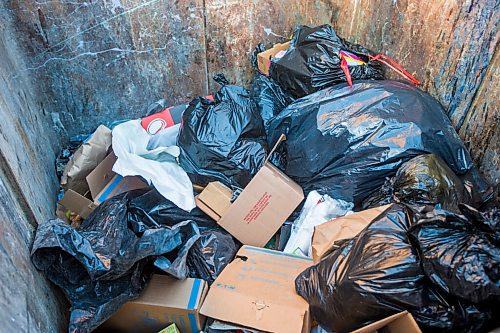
107,60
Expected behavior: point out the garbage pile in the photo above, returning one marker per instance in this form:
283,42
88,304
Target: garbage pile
193,217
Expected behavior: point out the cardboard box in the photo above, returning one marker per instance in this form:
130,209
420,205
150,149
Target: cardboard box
261,208
103,184
346,227
257,290
402,322
216,200
165,301
264,58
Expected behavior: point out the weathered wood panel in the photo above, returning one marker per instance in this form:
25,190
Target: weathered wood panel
107,60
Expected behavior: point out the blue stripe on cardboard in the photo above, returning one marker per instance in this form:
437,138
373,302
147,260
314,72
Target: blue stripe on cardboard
193,323
110,188
278,253
194,294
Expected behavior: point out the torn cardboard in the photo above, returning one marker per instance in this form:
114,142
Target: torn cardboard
165,301
264,58
261,208
346,227
402,322
103,184
257,290
85,159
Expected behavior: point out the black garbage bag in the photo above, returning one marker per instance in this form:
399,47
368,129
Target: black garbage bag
423,180
224,139
208,255
346,141
105,262
211,253
377,274
313,61
461,253
269,97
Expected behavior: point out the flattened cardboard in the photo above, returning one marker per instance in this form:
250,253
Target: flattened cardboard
402,322
217,197
264,58
346,227
164,301
257,290
77,203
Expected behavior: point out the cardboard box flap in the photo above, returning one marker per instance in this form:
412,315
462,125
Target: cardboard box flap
280,140
101,175
402,322
217,197
345,227
257,290
77,203
264,58
169,292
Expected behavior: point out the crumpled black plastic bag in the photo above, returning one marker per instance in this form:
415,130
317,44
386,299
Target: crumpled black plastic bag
105,262
461,253
423,180
211,251
346,141
224,139
377,274
269,97
313,61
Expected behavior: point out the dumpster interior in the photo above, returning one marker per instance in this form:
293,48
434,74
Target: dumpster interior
67,67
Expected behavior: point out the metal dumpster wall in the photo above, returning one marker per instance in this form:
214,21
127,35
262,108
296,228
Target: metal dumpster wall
28,186
107,59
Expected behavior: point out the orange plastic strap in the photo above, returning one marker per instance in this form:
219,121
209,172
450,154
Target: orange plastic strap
345,69
395,67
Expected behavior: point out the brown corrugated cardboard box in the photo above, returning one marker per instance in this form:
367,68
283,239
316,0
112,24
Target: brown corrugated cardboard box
345,227
261,208
103,184
216,200
402,322
264,58
257,290
164,301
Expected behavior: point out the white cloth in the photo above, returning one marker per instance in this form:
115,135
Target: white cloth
158,167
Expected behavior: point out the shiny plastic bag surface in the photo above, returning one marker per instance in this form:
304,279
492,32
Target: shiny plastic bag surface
313,61
224,139
268,95
423,180
346,141
461,253
104,263
378,274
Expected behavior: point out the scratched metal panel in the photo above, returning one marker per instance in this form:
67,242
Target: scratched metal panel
29,302
108,59
450,46
235,27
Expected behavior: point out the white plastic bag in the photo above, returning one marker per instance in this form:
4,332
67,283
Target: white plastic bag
158,166
317,210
